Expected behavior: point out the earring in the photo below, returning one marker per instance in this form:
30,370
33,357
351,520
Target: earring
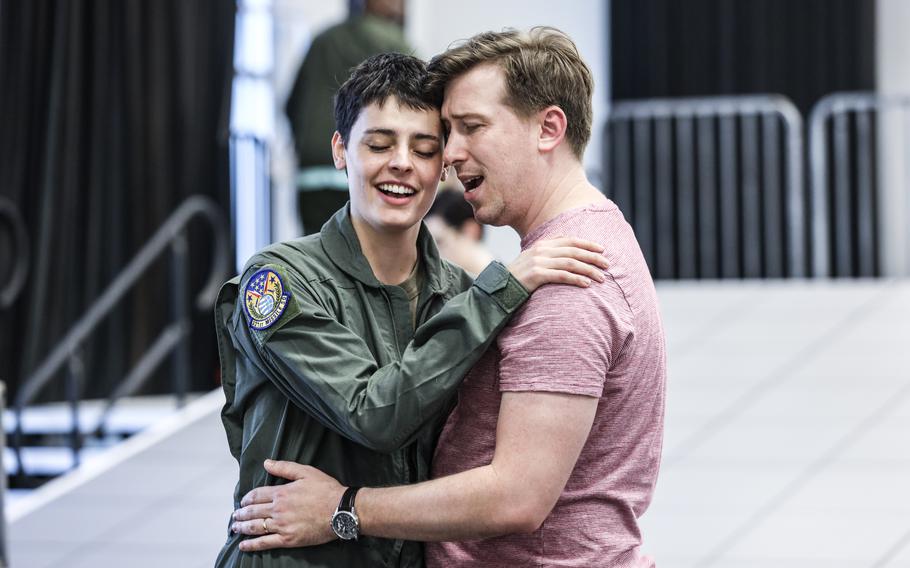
445,173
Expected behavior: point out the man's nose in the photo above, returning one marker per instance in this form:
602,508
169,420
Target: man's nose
454,152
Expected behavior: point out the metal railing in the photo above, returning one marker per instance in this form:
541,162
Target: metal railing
844,130
713,186
170,236
11,219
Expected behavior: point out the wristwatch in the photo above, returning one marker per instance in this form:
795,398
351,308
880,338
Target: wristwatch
344,521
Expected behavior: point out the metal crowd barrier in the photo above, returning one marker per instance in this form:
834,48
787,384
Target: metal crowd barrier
849,200
713,186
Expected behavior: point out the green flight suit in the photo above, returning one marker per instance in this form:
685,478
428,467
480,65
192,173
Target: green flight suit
341,380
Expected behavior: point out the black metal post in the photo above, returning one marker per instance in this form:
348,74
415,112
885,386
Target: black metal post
75,377
17,442
4,561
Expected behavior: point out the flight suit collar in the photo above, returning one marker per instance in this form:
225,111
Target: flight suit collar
340,242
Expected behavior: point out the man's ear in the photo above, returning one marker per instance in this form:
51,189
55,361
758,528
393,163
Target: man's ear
553,126
338,151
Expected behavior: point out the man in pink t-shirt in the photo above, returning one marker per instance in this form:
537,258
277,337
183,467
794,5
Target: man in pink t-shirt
604,343
553,449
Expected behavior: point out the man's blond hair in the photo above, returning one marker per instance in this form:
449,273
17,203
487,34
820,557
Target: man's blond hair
542,67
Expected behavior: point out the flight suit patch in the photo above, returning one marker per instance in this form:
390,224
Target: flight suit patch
265,299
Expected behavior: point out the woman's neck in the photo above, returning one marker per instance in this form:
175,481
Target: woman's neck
391,255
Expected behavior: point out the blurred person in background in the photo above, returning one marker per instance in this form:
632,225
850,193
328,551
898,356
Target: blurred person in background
553,449
332,55
344,349
457,234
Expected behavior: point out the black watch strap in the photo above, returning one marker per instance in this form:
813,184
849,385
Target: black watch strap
347,499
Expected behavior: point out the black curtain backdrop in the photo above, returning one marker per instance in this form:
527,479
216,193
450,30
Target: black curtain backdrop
802,49
112,112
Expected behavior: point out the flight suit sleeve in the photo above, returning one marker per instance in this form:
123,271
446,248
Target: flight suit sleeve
329,371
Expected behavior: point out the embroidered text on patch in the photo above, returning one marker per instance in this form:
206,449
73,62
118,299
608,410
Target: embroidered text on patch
265,299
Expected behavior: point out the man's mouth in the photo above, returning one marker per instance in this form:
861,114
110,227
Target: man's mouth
472,183
395,190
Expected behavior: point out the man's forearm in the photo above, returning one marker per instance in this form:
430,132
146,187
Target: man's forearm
538,440
478,503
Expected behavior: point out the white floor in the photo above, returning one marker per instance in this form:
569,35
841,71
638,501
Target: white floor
129,416
788,422
788,427
162,498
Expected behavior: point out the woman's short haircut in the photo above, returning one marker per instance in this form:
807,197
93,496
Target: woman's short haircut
377,79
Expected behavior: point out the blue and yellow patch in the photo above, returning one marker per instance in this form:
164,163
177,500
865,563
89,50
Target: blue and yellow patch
265,299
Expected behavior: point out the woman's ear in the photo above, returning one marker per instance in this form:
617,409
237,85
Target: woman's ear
338,151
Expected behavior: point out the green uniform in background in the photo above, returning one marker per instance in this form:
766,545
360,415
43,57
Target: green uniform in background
310,108
340,379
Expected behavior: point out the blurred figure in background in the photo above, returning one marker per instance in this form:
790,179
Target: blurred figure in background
458,235
322,189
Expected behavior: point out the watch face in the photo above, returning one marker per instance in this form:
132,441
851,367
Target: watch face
345,525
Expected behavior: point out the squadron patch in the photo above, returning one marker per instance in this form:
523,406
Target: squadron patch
265,299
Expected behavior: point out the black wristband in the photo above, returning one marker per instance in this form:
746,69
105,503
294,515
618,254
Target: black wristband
347,499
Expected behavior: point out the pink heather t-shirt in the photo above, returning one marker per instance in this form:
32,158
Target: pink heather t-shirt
605,341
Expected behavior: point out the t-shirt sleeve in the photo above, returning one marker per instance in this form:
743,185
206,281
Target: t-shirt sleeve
565,339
